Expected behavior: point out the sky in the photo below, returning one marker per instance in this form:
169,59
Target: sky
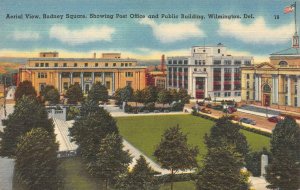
269,31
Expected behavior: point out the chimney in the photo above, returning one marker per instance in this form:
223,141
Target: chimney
162,63
94,55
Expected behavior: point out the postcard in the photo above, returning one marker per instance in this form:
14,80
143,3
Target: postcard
112,94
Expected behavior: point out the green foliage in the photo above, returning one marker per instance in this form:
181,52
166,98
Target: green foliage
28,113
36,160
178,106
117,96
150,94
90,129
72,112
164,97
224,131
111,160
25,88
174,95
52,96
222,170
74,94
183,96
138,96
284,170
126,94
253,161
173,152
141,177
46,90
98,93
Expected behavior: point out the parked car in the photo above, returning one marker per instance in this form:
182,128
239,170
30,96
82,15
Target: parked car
208,106
166,111
234,117
205,110
156,111
146,111
248,121
274,119
231,110
217,107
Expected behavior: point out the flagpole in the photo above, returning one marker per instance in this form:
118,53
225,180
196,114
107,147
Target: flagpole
295,18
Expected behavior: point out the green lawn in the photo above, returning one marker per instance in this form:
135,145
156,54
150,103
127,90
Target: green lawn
144,132
186,185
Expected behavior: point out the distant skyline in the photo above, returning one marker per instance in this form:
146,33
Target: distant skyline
144,38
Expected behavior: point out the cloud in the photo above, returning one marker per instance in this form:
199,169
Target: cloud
25,36
172,32
258,32
82,36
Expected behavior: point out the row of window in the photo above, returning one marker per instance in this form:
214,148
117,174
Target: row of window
85,64
129,74
226,94
42,75
179,62
229,62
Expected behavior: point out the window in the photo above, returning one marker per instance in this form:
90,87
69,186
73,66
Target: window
65,64
267,88
237,93
248,95
185,62
126,64
129,74
217,94
122,64
237,62
96,64
217,62
42,64
248,85
86,64
204,69
203,62
247,62
114,64
75,64
42,75
37,64
42,86
55,64
283,63
46,64
106,64
66,85
248,76
219,51
227,62
128,83
170,62
227,94
175,62
295,102
180,62
196,62
107,84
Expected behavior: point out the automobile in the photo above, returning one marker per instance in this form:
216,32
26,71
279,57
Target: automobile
208,105
234,117
247,121
217,107
156,111
231,110
205,110
166,111
146,111
274,119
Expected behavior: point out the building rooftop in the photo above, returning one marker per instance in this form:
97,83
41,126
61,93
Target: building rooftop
289,51
78,59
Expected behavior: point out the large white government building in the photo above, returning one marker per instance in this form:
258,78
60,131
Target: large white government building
208,72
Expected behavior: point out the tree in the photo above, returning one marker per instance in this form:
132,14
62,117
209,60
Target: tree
111,160
126,94
284,170
150,94
222,170
138,97
94,124
225,131
74,94
173,152
164,97
45,90
174,95
141,177
24,88
117,96
183,96
52,96
98,93
28,113
36,160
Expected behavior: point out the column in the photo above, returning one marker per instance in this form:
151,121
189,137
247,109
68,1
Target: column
93,77
206,88
177,79
256,87
103,78
113,82
222,80
289,90
172,74
81,81
276,89
182,75
273,90
232,79
193,87
298,91
259,87
71,78
59,82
